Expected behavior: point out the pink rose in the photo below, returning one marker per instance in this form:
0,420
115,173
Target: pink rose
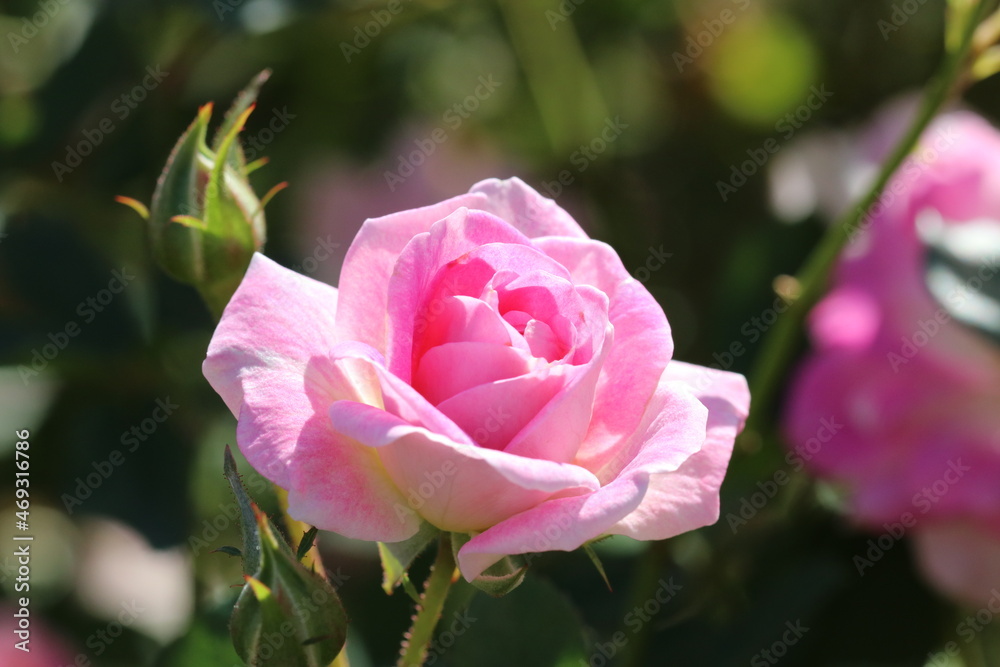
914,395
485,367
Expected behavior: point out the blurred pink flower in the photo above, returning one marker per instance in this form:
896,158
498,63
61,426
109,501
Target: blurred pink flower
485,367
46,648
915,392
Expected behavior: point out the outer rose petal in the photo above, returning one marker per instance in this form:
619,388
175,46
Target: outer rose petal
688,497
456,487
263,361
962,558
276,316
673,430
369,262
531,213
563,524
641,332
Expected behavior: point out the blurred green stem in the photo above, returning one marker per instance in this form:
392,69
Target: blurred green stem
779,347
644,583
561,80
428,612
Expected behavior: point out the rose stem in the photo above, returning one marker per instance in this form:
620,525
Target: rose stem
416,641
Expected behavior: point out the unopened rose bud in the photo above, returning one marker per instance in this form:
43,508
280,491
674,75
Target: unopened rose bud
286,615
205,220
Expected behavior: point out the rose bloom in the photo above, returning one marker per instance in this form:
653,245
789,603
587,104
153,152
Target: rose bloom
483,366
899,401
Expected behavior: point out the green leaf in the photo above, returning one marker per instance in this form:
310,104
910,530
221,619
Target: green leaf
248,517
286,616
397,557
596,560
535,626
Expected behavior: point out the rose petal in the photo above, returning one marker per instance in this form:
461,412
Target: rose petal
449,369
562,524
418,268
687,498
399,398
456,487
364,279
276,317
846,318
557,429
463,319
961,558
494,413
520,205
673,429
641,332
263,360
